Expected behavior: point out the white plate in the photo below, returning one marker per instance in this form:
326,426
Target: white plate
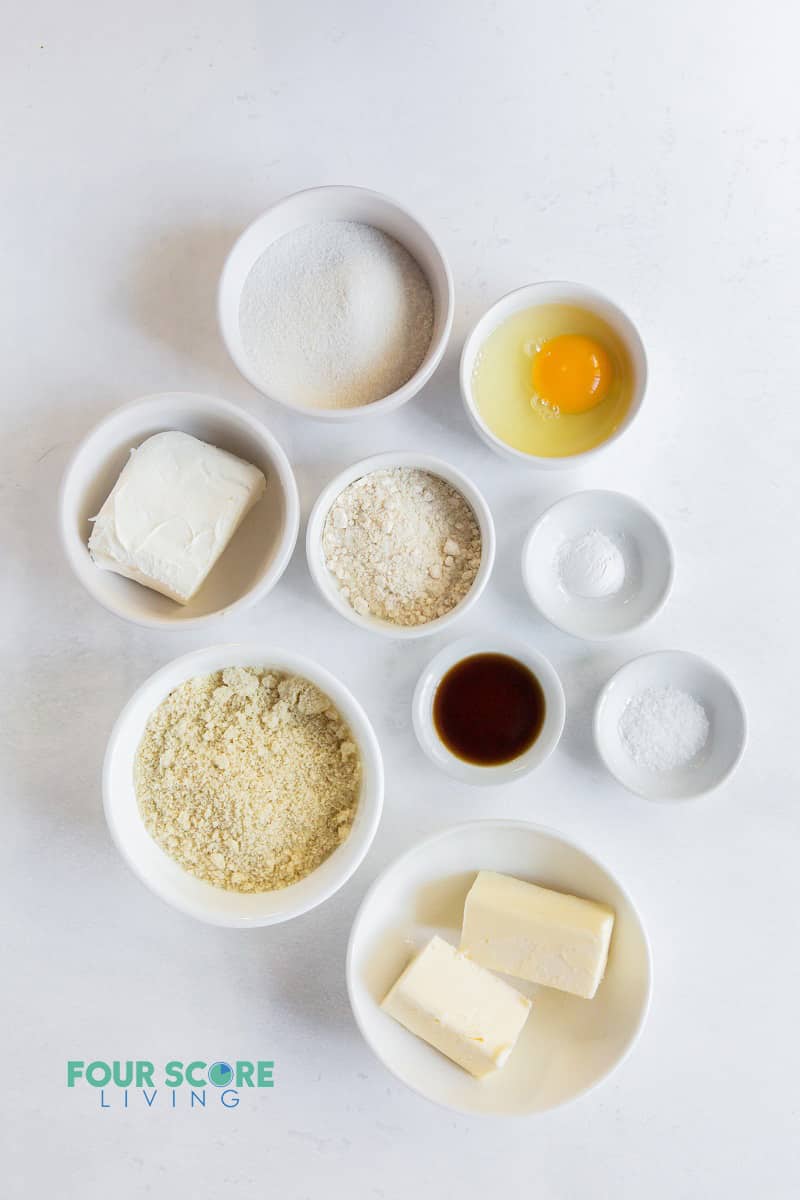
724,709
568,1044
160,872
643,543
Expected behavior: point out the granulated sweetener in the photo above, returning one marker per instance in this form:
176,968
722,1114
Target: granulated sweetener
335,314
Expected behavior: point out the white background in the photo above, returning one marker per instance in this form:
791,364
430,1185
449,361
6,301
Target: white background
648,149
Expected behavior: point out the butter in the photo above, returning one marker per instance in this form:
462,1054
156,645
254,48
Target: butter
534,933
172,512
453,1004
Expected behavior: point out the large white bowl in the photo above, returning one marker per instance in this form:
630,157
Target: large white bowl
158,871
259,551
645,547
338,203
471,773
533,295
328,585
568,1045
724,708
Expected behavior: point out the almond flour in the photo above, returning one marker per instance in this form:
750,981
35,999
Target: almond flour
248,778
403,545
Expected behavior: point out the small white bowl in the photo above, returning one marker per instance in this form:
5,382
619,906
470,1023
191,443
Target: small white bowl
158,871
260,549
471,773
328,585
645,547
724,708
533,295
568,1045
338,203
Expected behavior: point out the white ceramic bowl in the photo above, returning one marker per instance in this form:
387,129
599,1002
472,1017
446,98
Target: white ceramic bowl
158,871
422,710
645,547
531,296
339,203
568,1045
724,709
258,553
424,462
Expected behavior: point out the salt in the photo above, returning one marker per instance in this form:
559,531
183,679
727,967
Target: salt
663,728
335,314
591,566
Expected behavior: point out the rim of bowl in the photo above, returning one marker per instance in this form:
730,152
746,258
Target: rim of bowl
435,351
328,682
288,484
632,502
472,773
548,832
479,332
706,665
375,462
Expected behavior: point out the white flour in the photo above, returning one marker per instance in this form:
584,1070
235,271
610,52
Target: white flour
335,315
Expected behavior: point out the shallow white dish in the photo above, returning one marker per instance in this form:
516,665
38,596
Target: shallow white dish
259,551
326,582
724,708
158,871
643,543
568,1045
338,203
531,296
471,773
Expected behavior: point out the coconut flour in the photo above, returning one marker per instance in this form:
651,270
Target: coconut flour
403,545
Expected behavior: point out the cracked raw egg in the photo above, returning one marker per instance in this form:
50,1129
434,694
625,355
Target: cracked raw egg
553,380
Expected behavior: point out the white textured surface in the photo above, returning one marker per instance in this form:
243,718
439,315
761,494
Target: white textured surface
650,150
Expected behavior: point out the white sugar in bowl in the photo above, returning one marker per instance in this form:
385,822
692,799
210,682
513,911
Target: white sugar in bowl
327,204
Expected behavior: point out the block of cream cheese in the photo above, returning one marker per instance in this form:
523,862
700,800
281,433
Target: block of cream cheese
171,513
465,1012
534,933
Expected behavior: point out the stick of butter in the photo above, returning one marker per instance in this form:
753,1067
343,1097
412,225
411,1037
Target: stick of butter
529,931
453,1004
171,513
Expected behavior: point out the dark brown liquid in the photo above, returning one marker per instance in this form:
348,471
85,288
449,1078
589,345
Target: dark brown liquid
488,709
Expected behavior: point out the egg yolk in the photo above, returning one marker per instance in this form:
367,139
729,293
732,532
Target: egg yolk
572,372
